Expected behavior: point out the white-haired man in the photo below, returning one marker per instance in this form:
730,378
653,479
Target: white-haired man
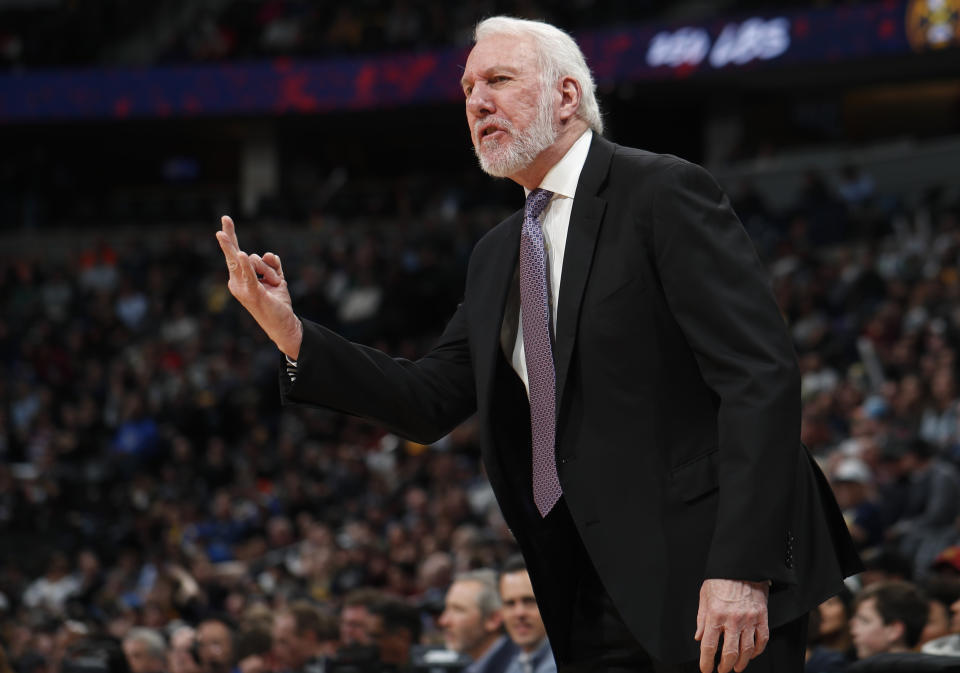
635,384
145,651
472,622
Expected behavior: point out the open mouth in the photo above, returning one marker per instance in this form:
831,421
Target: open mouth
490,131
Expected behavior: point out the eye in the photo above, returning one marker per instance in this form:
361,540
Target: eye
499,79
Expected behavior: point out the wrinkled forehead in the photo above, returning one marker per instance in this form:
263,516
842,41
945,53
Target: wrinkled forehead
515,53
465,593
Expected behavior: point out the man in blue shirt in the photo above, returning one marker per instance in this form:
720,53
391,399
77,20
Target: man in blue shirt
521,617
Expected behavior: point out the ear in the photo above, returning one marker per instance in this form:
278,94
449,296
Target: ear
896,632
570,94
494,622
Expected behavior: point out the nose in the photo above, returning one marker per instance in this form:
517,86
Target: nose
479,103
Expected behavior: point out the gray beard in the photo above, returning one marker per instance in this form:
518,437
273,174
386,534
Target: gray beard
519,150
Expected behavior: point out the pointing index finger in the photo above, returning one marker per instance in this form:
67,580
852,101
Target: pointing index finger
227,239
230,230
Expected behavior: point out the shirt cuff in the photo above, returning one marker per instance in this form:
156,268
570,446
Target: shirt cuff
291,368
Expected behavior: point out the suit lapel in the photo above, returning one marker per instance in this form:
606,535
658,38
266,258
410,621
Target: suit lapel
493,299
492,285
585,220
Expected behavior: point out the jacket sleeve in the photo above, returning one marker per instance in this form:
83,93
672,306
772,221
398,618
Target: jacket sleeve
421,400
718,292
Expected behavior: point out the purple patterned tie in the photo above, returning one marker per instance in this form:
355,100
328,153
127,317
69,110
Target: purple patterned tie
538,352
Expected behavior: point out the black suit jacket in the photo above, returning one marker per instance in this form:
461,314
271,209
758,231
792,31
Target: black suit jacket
678,415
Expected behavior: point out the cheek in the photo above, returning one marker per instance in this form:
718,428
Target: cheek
873,637
831,616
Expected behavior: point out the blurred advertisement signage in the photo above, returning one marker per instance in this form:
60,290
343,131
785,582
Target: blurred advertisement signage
810,38
933,24
737,44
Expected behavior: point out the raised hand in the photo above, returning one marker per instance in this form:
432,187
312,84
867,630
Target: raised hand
738,610
258,284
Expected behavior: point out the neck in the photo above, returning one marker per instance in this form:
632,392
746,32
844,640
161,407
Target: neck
530,649
531,176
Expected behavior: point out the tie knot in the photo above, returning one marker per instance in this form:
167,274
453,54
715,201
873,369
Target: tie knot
537,200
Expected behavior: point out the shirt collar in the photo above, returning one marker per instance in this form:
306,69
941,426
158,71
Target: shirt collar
563,176
541,650
535,655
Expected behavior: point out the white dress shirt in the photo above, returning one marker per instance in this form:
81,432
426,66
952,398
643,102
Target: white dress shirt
562,180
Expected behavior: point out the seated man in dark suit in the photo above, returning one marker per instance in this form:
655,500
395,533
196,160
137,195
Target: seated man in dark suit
472,622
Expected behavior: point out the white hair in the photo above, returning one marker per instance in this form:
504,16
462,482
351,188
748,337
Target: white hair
488,599
151,638
559,57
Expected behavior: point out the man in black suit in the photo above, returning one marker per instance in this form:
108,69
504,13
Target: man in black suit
636,386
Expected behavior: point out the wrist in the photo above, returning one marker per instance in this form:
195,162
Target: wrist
290,346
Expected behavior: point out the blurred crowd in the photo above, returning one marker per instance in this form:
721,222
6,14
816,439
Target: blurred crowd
95,31
161,512
40,33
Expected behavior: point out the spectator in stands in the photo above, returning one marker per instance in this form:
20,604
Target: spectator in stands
932,505
215,646
829,637
938,424
302,637
145,651
888,617
394,628
938,621
180,656
472,622
820,659
883,564
355,616
521,617
255,649
948,645
51,591
852,482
